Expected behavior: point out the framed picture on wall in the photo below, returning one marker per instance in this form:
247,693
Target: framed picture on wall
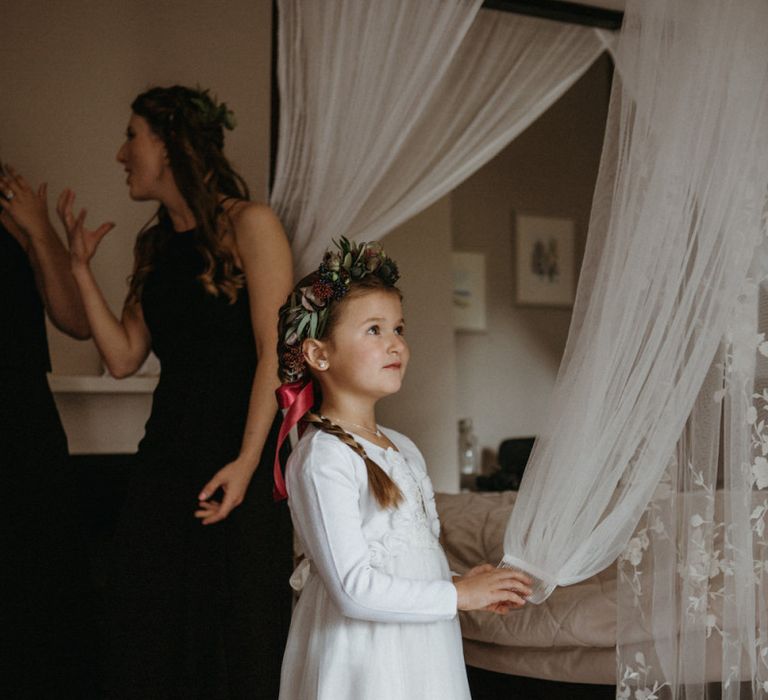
469,292
545,266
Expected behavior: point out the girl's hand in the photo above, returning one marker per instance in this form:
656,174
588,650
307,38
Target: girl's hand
28,209
82,241
497,590
233,480
479,569
498,608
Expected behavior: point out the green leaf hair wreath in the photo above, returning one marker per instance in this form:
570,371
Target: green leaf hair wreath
305,314
212,112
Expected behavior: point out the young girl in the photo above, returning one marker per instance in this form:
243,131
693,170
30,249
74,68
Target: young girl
377,615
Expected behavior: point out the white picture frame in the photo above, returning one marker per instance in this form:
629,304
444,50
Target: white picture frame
545,269
469,313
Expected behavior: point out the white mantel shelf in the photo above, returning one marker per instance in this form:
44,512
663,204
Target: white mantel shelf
103,415
92,384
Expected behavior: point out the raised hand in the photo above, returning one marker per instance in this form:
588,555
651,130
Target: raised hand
83,241
26,207
486,587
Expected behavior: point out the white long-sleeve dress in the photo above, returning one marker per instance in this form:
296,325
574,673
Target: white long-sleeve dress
376,619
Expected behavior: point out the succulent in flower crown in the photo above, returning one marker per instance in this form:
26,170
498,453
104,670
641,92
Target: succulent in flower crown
305,314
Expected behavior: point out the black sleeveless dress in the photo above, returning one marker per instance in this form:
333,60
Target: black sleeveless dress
46,626
197,611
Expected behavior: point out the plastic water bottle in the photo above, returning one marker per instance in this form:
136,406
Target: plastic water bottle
467,447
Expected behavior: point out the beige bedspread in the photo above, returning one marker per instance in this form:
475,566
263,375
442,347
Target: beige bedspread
569,637
572,635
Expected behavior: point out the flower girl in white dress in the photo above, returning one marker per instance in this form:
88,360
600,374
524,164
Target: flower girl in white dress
377,617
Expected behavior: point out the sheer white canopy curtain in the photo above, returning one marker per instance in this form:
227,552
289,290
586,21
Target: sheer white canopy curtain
387,106
671,269
692,595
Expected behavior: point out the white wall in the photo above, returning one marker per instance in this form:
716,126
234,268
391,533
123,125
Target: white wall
505,376
425,408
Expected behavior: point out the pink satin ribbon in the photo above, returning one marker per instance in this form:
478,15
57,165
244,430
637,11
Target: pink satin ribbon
298,398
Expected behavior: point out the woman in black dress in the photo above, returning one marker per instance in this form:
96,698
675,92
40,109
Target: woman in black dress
46,639
198,600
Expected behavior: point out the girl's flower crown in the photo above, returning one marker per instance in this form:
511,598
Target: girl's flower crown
305,314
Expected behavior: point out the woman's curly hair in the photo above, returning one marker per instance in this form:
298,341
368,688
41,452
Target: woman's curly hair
191,125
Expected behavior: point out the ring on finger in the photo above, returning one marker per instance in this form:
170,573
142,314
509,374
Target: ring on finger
9,194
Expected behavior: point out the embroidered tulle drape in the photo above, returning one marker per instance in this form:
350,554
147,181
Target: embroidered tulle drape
387,106
656,450
692,596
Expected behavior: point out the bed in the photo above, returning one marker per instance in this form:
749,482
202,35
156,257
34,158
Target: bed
571,637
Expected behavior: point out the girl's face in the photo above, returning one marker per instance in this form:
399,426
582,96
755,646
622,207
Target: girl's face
145,159
366,352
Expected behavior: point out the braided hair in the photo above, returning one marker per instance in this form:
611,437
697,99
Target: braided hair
384,490
191,125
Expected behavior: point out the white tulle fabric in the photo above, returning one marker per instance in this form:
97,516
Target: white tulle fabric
666,330
387,106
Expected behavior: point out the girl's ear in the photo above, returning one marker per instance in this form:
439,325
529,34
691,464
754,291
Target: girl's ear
315,353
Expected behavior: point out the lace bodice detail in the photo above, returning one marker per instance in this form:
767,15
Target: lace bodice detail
414,523
330,499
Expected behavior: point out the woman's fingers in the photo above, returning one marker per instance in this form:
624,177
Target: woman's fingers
210,488
80,220
209,505
228,504
97,234
11,176
103,230
213,513
64,210
61,203
210,511
216,517
18,178
15,182
6,188
206,508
